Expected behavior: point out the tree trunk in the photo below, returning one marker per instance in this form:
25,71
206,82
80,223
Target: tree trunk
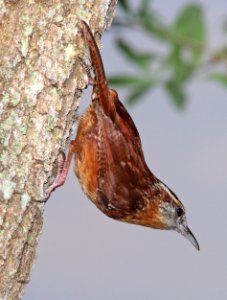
40,85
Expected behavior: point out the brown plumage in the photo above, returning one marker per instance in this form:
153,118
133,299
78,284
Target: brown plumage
110,164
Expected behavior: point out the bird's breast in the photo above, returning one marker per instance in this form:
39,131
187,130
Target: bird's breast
86,156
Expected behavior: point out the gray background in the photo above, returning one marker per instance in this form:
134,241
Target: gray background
84,255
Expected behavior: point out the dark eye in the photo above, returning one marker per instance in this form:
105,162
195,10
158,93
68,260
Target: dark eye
179,212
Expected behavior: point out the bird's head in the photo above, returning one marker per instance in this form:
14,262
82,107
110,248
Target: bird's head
161,209
171,213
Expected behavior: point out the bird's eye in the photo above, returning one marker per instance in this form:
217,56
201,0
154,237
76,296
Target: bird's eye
179,212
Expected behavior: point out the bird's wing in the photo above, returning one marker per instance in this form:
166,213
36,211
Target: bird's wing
122,169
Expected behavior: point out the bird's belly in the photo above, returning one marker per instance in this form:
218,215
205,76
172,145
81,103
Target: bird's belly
86,154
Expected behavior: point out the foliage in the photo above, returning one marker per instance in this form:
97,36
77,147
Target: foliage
185,41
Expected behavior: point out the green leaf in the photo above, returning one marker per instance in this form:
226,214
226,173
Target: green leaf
185,55
142,59
139,92
138,86
219,77
190,26
181,70
124,5
176,93
127,80
152,25
144,8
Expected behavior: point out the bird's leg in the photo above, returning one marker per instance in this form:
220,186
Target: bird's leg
63,168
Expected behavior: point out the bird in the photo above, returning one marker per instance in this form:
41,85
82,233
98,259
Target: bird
110,163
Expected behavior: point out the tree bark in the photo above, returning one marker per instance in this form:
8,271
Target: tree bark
40,86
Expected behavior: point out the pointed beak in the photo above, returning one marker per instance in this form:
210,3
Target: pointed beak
190,236
186,232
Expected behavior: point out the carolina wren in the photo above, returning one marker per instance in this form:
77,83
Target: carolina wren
110,164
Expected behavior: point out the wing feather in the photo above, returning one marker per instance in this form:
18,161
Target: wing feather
121,161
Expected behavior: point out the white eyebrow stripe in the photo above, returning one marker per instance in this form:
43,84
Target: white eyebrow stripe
169,192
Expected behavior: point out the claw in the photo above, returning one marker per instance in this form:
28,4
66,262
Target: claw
63,167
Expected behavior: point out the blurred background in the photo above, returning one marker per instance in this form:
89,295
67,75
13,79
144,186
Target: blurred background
168,60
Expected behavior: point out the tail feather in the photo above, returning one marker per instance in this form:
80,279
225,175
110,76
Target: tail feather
100,83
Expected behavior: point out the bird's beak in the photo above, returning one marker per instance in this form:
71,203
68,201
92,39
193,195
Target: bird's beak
186,232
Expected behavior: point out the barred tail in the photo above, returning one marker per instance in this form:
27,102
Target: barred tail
100,78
